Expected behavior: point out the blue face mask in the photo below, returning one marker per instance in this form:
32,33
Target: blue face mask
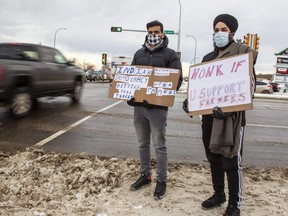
221,39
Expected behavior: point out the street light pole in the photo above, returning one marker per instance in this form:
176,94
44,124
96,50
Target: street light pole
194,48
56,34
179,29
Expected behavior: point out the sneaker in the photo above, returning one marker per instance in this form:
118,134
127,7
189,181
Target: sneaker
232,210
214,201
160,190
144,180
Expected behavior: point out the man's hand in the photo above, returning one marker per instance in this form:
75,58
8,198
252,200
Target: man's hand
185,106
131,102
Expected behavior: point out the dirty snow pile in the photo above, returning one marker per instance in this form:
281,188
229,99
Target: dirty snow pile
39,183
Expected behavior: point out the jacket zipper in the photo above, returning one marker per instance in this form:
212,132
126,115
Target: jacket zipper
150,60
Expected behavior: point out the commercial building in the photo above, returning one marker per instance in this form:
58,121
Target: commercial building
281,75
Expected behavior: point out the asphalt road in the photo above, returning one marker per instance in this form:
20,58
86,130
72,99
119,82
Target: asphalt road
104,127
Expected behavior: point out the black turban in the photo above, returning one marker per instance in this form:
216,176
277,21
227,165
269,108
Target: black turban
229,20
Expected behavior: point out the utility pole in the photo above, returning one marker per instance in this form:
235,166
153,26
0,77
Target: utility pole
56,34
179,29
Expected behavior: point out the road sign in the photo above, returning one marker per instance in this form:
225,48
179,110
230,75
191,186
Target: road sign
168,31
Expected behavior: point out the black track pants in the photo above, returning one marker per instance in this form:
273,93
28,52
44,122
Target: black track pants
220,164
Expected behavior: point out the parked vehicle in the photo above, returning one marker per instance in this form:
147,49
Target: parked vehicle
91,75
117,61
283,87
84,78
98,75
264,87
31,71
275,86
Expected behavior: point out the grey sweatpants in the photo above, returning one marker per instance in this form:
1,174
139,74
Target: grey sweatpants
152,122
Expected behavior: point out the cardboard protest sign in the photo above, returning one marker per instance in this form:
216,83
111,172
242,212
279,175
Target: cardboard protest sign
154,84
226,83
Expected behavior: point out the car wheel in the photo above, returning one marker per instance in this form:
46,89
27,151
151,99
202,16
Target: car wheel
265,92
77,92
21,102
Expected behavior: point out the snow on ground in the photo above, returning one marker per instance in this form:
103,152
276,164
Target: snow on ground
35,183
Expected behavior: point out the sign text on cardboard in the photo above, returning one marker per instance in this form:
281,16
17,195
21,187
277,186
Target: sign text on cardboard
225,83
154,84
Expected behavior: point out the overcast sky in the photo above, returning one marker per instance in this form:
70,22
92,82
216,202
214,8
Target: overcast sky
88,24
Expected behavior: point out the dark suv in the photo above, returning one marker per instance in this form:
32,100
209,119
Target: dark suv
30,71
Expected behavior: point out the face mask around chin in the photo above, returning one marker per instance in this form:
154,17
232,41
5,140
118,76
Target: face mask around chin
153,39
221,39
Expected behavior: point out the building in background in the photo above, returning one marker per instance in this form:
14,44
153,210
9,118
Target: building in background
281,75
116,61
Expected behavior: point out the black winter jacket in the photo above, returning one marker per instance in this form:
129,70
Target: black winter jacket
160,57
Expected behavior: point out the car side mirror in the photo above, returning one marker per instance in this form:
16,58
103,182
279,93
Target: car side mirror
71,62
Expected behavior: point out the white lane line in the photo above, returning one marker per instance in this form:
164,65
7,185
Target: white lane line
53,136
268,126
259,125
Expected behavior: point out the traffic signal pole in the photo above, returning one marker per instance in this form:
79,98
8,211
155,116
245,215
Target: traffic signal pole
131,30
179,30
120,29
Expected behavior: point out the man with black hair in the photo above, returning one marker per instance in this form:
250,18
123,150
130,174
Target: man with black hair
225,159
151,120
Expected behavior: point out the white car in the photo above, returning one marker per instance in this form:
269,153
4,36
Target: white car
264,87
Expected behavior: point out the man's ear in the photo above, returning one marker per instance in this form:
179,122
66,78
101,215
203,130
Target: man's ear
162,35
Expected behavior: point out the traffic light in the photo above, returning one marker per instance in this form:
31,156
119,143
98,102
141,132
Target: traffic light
247,40
104,58
256,42
116,29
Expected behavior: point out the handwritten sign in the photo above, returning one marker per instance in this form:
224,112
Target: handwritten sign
226,83
154,84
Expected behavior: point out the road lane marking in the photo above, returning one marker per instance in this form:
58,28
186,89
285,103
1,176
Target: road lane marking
268,126
53,136
259,125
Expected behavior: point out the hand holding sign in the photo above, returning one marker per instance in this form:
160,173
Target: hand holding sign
219,114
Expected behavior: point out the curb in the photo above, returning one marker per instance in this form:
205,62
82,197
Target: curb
272,96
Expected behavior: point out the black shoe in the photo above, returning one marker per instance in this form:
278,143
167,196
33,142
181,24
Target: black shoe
160,190
232,210
213,201
144,180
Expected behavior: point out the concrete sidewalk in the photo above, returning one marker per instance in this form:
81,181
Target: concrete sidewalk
277,95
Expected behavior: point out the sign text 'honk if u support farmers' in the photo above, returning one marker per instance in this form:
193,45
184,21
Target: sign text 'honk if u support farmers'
225,83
